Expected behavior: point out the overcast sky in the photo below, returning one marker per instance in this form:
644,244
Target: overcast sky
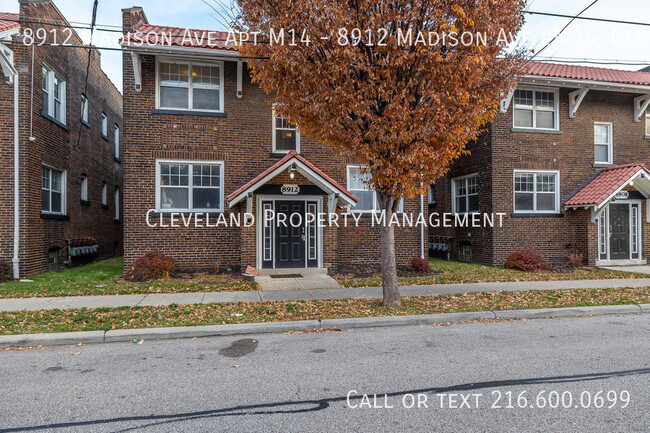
583,39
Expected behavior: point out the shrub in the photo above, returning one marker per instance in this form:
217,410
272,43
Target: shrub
420,265
576,259
214,269
526,260
5,272
151,266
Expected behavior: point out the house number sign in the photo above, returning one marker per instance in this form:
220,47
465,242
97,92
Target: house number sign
622,195
289,189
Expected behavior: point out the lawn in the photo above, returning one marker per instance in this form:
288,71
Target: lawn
23,322
450,272
101,278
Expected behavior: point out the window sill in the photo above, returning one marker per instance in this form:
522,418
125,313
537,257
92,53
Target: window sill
280,154
188,112
116,159
117,221
105,137
86,124
168,214
537,215
537,131
85,202
54,216
647,136
602,164
104,206
55,121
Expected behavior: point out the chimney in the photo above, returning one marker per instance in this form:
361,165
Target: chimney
132,18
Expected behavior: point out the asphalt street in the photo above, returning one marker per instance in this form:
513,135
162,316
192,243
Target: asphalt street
476,377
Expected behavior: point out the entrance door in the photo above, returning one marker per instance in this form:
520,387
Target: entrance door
290,240
619,231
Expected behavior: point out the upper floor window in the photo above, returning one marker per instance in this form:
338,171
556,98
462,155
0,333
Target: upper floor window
536,109
84,108
464,191
104,126
190,186
431,194
53,94
52,190
359,185
190,86
647,123
603,143
286,137
84,187
537,191
104,194
117,204
117,142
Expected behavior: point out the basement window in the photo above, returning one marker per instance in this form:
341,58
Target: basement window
465,252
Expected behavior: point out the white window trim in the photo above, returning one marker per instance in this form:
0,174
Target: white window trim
51,74
190,162
375,203
64,195
296,130
84,187
535,211
116,139
647,123
84,108
610,144
556,108
190,63
104,125
453,192
604,218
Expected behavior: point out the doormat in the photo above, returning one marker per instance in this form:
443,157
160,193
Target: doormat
287,276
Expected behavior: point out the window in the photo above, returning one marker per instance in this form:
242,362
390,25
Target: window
117,204
53,190
537,192
536,109
465,252
53,94
195,186
84,108
432,194
84,188
603,143
104,194
190,86
117,142
647,123
286,136
358,184
104,126
464,191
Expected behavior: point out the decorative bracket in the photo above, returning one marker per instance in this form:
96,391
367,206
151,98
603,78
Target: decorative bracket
332,202
7,63
239,79
641,104
595,212
137,71
575,99
505,103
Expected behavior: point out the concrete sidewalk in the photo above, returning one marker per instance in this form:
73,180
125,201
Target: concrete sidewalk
160,299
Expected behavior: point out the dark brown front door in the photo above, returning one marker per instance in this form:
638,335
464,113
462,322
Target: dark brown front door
619,229
290,237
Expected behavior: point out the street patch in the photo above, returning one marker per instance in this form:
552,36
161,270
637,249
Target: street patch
239,348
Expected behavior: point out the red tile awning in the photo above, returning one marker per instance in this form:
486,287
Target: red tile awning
605,184
8,21
165,36
588,73
304,167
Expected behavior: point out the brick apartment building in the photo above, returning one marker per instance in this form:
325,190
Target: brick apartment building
564,162
67,180
201,138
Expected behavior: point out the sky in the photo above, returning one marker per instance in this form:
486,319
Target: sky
581,40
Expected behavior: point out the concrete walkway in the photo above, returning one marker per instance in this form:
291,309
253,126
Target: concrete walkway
158,299
639,269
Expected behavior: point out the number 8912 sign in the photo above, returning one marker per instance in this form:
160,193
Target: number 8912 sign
290,189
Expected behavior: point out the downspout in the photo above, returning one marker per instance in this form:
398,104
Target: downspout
422,227
16,261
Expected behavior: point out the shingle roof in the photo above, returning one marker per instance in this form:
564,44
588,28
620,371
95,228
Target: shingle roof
8,21
292,154
576,72
603,185
178,37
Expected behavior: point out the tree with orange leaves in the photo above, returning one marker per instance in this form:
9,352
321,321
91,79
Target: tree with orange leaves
384,83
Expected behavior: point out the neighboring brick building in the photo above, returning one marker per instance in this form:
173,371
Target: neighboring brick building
70,174
551,161
201,138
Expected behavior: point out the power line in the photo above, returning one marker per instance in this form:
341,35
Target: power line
604,20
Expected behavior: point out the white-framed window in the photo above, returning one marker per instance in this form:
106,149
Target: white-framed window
53,86
104,125
286,136
359,185
183,85
116,136
536,108
104,194
84,187
183,185
603,143
431,194
53,189
117,203
84,108
464,193
647,122
536,191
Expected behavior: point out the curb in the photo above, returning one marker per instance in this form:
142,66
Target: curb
122,335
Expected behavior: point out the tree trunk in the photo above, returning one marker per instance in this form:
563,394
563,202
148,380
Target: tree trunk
388,262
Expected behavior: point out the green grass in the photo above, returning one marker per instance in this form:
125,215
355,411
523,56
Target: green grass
100,278
457,273
26,322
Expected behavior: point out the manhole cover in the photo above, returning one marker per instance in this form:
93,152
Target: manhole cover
287,276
